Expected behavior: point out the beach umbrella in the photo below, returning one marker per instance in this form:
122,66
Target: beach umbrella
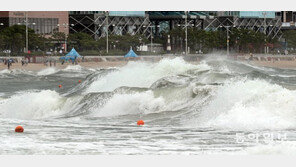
73,54
131,53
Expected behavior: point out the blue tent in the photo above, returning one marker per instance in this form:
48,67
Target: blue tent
131,53
73,54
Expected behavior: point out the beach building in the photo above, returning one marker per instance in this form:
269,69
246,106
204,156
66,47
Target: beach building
42,22
288,19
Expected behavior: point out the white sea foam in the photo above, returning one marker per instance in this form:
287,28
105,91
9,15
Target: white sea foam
31,105
142,74
15,71
47,71
239,104
73,68
127,104
250,104
5,71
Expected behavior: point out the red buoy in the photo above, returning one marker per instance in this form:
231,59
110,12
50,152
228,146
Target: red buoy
19,129
79,81
60,86
140,122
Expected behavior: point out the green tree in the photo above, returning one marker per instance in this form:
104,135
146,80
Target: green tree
82,41
290,36
14,38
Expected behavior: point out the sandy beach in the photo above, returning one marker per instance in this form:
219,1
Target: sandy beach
38,66
276,64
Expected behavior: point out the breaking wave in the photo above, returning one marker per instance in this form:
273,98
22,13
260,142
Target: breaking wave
250,104
35,105
142,74
48,71
214,93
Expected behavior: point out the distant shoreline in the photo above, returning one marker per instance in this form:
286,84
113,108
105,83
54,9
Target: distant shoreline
284,62
96,62
39,66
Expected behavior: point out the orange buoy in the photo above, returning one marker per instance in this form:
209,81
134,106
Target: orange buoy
60,86
79,81
19,129
140,122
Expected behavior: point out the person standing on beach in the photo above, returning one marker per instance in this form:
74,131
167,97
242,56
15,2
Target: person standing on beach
75,61
26,61
251,57
9,62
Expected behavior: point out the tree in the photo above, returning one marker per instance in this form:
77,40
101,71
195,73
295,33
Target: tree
59,37
82,41
14,38
290,37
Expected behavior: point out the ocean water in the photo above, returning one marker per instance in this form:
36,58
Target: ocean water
218,106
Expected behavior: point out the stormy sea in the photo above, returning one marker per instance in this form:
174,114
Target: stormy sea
215,106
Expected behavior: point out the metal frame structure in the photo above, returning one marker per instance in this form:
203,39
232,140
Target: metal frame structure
173,19
273,26
96,25
100,25
82,23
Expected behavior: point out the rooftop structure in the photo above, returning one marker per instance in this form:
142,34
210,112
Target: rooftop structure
96,23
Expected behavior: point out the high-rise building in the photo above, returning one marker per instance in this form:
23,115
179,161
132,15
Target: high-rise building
42,22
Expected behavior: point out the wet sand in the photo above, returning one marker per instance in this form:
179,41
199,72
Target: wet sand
285,64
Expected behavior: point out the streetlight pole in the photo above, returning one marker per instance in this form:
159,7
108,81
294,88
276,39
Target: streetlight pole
186,32
227,28
151,37
27,35
66,25
65,41
227,38
27,39
107,42
265,49
186,47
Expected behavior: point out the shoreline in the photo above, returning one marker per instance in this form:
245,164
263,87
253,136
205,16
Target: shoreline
282,64
38,66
